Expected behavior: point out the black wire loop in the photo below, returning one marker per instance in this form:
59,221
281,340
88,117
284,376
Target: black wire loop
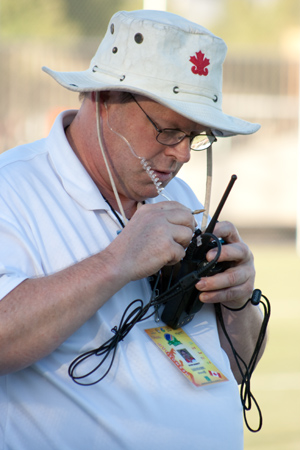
109,348
245,370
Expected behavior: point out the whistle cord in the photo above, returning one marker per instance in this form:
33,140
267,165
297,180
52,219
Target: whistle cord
245,392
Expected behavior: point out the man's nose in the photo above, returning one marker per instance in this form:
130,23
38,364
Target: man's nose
181,151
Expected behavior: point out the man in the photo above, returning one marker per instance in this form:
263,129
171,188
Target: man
86,216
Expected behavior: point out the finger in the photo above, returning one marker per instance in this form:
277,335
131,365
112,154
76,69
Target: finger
174,212
168,206
227,231
234,296
182,235
181,216
232,277
235,284
237,252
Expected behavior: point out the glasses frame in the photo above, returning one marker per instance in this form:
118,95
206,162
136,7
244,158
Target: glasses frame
211,137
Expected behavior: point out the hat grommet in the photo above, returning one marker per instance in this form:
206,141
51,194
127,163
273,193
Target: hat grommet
112,28
115,50
138,38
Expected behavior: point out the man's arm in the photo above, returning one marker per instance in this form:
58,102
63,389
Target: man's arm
233,288
41,313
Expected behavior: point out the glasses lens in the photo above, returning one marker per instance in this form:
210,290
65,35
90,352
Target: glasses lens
170,137
202,141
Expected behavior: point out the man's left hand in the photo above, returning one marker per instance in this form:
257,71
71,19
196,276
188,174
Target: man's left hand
234,286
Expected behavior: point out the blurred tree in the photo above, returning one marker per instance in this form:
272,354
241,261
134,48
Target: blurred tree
257,24
34,18
242,23
63,18
91,15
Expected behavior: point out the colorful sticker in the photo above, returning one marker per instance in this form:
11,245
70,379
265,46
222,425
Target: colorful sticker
186,355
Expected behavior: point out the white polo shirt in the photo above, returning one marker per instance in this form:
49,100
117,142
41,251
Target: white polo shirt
51,216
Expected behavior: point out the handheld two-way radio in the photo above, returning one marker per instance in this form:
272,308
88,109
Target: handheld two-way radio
182,298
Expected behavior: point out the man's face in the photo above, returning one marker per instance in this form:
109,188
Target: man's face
130,136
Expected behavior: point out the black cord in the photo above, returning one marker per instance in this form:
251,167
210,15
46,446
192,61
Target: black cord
115,213
246,372
109,348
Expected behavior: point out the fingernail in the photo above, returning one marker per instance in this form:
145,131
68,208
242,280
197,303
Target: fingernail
201,284
211,255
203,297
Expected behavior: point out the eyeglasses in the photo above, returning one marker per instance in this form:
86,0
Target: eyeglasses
173,136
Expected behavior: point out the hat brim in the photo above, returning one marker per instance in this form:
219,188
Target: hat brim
221,124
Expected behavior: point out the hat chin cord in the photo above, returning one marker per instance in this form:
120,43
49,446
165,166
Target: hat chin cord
209,165
146,166
113,185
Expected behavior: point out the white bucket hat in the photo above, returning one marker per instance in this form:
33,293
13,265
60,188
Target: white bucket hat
166,58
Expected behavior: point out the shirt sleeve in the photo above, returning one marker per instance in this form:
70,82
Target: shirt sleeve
19,259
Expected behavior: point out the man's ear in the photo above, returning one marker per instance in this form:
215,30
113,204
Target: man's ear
104,96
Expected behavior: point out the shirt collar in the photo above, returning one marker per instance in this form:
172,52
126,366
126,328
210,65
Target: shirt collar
74,177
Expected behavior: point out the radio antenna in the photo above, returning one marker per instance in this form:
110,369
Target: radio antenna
212,223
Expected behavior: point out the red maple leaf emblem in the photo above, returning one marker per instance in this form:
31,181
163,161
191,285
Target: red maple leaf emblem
200,64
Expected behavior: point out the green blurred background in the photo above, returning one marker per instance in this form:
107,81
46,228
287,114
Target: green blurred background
261,84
